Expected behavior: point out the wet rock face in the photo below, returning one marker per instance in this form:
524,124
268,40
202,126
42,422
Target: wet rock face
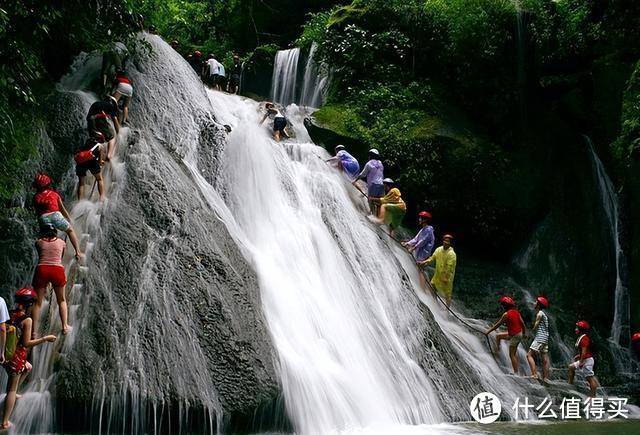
171,314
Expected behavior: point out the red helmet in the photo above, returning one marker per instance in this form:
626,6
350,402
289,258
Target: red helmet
544,303
198,53
424,215
25,295
507,301
583,324
635,338
41,181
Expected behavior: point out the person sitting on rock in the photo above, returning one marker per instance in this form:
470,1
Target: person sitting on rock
17,366
512,319
392,207
540,344
50,270
584,360
345,162
51,210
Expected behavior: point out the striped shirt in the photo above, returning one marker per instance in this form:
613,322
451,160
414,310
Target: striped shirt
542,333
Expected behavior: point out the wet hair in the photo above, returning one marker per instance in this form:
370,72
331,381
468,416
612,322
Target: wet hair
48,231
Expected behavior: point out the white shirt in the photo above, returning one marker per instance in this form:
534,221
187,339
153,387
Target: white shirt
214,66
4,312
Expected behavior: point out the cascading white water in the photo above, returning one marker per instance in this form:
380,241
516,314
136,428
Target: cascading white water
285,76
621,315
334,292
315,81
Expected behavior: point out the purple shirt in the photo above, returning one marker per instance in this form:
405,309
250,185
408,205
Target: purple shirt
373,172
423,242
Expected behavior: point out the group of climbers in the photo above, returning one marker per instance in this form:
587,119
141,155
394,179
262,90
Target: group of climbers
539,348
388,208
213,72
19,329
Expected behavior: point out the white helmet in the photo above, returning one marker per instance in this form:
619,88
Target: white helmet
374,151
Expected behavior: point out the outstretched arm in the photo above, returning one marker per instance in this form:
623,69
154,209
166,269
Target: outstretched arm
26,335
497,324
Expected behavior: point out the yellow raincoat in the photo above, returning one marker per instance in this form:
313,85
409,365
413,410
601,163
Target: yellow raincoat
442,280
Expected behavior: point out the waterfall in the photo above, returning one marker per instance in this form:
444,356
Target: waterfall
621,315
211,249
285,76
315,82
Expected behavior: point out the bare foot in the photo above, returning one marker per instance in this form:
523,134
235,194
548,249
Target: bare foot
6,425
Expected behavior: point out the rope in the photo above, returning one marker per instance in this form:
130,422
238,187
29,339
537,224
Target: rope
426,279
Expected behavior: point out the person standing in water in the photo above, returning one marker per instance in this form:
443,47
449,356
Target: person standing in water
279,121
51,210
392,207
373,173
445,258
346,162
18,367
515,330
50,270
540,344
584,360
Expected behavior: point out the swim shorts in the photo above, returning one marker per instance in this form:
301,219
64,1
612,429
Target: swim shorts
56,219
375,190
47,273
537,346
586,369
514,340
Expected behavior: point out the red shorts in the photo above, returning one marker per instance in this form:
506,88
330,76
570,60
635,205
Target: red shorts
18,363
46,274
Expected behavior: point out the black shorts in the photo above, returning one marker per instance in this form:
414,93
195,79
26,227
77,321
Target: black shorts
279,124
93,166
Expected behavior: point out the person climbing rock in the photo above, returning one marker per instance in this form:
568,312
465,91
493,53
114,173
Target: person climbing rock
635,344
421,246
17,366
345,162
540,344
123,90
584,360
4,318
392,207
195,60
235,74
51,210
212,71
373,173
90,157
50,270
221,81
103,117
445,259
516,332
113,59
279,121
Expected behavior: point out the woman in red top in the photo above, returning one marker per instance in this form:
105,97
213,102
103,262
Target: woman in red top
123,88
515,329
50,270
18,367
584,359
51,210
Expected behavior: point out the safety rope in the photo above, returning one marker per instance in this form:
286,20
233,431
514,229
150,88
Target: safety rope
428,283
